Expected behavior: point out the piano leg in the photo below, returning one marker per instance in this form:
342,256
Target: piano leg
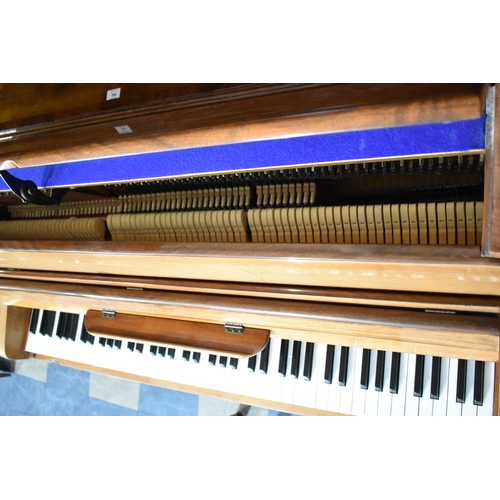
242,411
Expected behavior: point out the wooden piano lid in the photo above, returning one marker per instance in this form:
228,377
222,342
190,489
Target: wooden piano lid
231,339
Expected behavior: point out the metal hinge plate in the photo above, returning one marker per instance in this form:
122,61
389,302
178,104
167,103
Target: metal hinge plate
108,313
233,328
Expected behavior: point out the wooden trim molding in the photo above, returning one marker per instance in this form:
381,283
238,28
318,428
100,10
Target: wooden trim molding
491,221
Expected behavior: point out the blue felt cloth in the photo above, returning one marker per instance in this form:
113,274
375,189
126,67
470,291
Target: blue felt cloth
437,138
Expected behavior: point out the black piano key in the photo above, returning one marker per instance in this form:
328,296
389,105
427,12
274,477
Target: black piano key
344,364
85,336
435,377
62,325
118,344
102,341
212,359
72,326
308,360
379,371
35,313
110,343
395,371
418,387
252,363
264,358
223,361
131,346
171,353
139,347
330,352
153,350
294,370
69,326
365,369
283,357
478,383
461,380
186,355
162,351
196,357
233,363
47,325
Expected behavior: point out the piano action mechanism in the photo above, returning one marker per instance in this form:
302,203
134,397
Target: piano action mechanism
363,284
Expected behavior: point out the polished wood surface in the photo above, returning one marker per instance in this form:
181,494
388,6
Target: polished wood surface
443,302
189,334
460,335
238,114
38,106
427,268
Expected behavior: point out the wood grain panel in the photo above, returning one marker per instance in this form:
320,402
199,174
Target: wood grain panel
13,331
188,334
244,114
457,335
450,302
491,221
432,268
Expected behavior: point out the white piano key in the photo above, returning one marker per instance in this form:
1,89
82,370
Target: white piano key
399,399
233,375
186,372
321,385
278,380
334,388
259,382
488,395
204,372
371,404
347,390
412,402
426,403
255,378
299,391
469,409
454,408
358,394
289,383
385,397
316,377
439,408
250,377
272,369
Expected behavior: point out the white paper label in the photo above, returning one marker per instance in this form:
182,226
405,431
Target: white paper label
113,94
123,129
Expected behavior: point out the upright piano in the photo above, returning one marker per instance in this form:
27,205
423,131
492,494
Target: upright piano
322,249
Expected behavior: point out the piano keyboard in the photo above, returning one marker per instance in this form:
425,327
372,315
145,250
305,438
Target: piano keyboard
338,379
